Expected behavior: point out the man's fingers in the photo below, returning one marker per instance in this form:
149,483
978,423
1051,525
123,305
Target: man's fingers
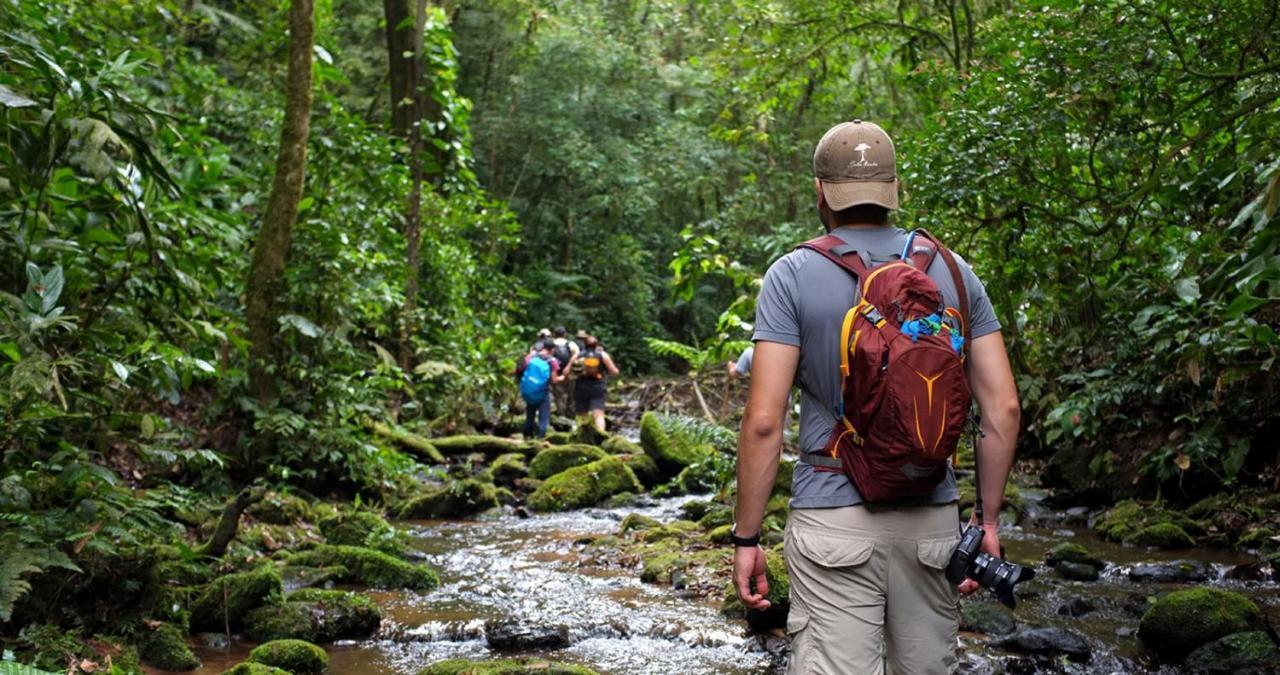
968,586
762,585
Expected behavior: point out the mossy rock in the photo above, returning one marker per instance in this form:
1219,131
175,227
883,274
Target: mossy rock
418,445
986,617
585,485
659,566
1073,571
1125,519
555,459
670,455
698,478
676,530
716,517
341,615
1162,535
489,445
507,469
1184,620
1259,538
778,596
281,508
363,528
719,535
504,667
458,499
296,656
229,598
556,437
1251,653
696,509
369,567
617,445
635,521
586,433
643,466
247,668
1074,553
165,647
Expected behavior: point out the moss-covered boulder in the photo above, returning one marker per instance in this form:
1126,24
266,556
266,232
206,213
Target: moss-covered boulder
457,499
504,667
986,617
1126,519
316,615
778,596
1184,620
636,521
1073,571
696,509
717,516
1260,538
165,646
363,528
617,445
489,445
1251,653
675,530
670,455
296,656
507,469
247,668
1074,553
587,433
643,466
585,485
660,563
284,508
229,598
555,459
719,535
369,567
1162,535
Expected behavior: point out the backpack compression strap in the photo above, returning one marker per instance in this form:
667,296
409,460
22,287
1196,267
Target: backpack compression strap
949,259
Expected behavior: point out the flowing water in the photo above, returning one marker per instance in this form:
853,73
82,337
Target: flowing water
529,570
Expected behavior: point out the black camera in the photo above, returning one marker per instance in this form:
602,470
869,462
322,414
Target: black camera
994,574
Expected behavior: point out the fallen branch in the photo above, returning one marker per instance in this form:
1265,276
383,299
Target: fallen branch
230,521
409,441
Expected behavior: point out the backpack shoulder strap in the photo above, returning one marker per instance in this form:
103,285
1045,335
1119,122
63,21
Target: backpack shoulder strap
957,278
834,248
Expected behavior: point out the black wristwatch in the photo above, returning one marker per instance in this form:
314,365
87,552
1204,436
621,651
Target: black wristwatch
743,541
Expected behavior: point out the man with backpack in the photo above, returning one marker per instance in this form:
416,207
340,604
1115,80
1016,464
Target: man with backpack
887,334
565,352
536,372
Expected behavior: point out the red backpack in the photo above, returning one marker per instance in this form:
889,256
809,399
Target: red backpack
905,395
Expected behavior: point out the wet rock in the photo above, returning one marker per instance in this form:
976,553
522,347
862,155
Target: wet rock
229,598
1073,553
521,512
716,517
506,469
1046,642
247,668
280,508
636,521
516,635
670,455
617,445
1184,620
556,459
296,656
165,646
457,499
1251,653
622,500
504,667
1263,538
1076,607
676,530
343,615
643,466
588,434
720,535
369,567
659,568
584,485
1076,571
696,509
1136,604
1076,515
1162,535
1123,522
988,618
363,528
1262,571
1126,632
779,592
1170,572
679,580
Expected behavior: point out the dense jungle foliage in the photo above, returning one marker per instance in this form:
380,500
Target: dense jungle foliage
628,167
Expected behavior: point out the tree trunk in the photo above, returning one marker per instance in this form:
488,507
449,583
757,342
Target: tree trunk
266,285
400,59
404,50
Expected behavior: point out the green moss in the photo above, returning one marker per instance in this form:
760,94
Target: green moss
779,581
635,521
506,469
585,485
280,508
719,535
617,445
556,437
1071,552
369,567
1125,519
296,656
285,621
988,618
247,668
658,567
587,433
553,460
341,615
1257,538
488,445
504,667
643,466
363,528
165,647
229,598
778,506
458,499
696,509
1184,620
1162,535
412,442
720,515
676,530
1251,652
670,455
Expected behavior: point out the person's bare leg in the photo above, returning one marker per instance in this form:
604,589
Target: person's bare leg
598,416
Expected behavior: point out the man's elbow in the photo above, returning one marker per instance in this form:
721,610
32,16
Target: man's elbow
1006,414
760,428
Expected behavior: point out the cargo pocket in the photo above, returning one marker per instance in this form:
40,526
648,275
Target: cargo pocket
797,619
936,553
831,550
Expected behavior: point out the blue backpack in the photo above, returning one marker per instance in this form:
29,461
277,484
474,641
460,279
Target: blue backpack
533,384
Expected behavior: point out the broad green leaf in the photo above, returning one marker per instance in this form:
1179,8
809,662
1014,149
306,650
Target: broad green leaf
1188,289
11,99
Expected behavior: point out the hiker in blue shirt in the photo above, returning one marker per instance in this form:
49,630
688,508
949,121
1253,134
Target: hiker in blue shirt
536,372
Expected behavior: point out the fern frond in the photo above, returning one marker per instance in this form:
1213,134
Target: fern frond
16,561
695,357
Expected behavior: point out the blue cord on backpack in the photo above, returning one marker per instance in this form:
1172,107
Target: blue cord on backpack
957,342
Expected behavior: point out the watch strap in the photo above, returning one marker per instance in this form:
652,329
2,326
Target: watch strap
753,540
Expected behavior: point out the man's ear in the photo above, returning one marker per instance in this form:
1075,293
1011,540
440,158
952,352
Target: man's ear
817,188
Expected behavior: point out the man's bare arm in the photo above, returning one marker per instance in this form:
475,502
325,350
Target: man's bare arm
991,379
760,442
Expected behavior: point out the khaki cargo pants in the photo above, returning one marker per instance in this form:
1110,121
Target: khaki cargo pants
867,586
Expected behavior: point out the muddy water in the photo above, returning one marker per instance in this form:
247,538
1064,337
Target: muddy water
504,567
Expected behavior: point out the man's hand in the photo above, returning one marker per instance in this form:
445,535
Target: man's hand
748,564
733,370
990,545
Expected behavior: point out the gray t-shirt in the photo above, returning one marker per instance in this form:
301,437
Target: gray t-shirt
802,304
743,366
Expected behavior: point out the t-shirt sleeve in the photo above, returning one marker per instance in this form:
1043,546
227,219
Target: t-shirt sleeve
743,366
777,315
982,315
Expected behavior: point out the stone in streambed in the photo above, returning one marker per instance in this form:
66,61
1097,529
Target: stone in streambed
504,667
988,618
296,656
636,521
1046,642
1076,571
585,485
1184,620
778,596
617,445
1162,535
517,636
458,499
1251,653
165,647
363,528
643,466
369,567
1170,572
247,668
229,598
1123,522
1072,552
1076,607
556,459
508,468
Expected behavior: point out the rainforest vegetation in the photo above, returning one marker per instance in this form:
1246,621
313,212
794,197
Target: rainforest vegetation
266,267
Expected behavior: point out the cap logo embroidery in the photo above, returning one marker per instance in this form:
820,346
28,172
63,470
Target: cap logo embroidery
862,149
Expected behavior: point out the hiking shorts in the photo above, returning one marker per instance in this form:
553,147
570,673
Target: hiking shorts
588,396
867,586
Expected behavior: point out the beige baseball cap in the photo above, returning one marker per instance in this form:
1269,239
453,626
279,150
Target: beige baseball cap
855,162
